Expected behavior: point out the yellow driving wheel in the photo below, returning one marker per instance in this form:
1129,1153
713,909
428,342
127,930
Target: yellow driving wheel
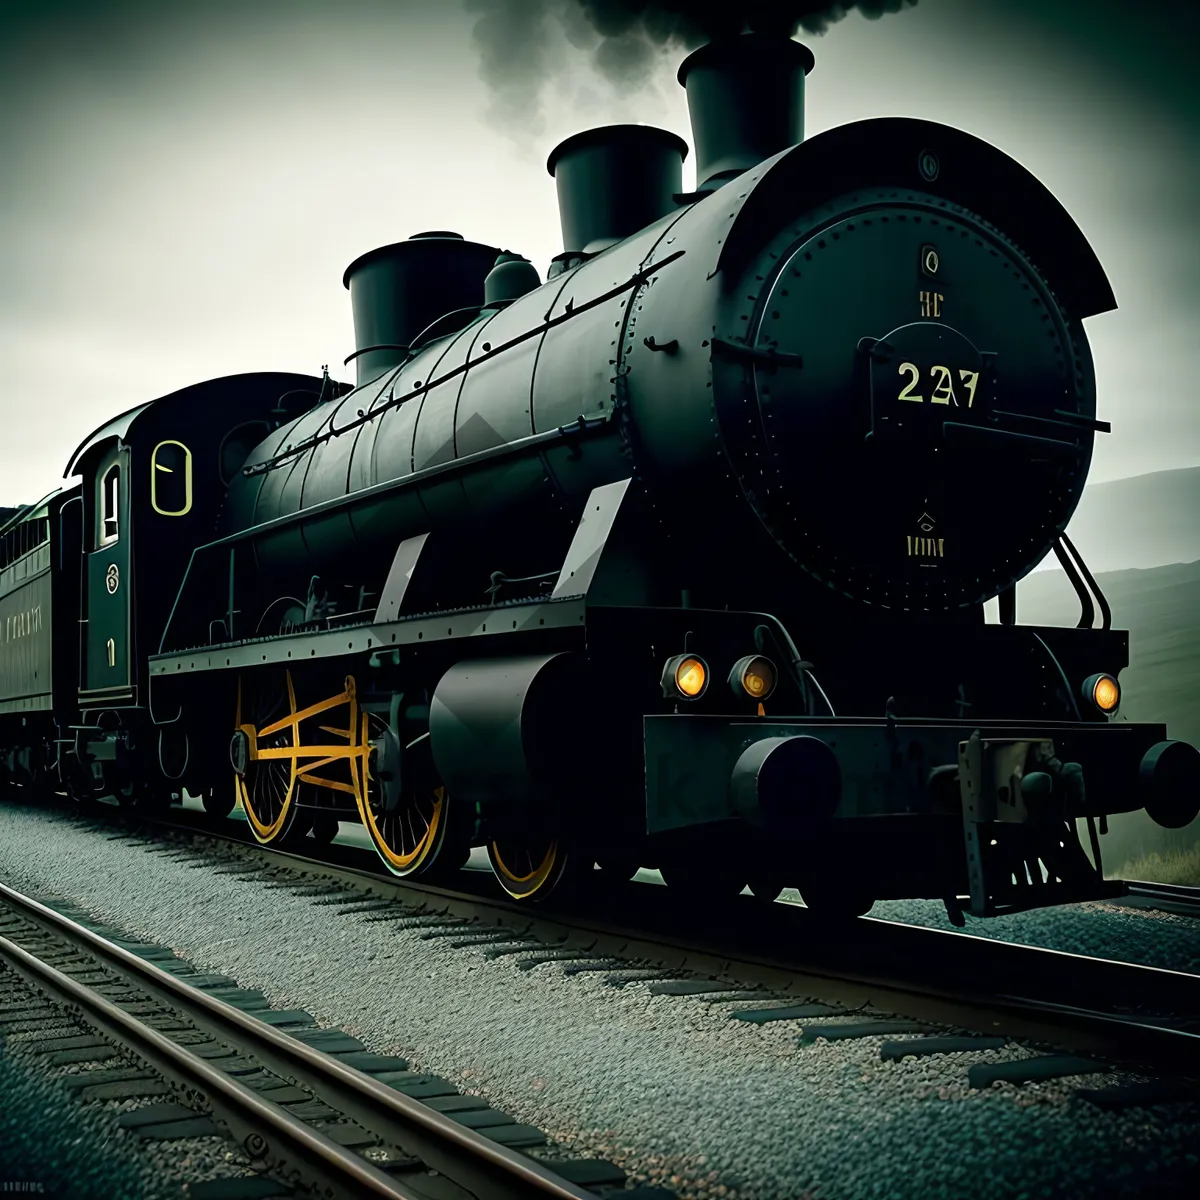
263,753
414,823
529,868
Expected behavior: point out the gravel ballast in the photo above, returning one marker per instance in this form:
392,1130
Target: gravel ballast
1097,929
667,1086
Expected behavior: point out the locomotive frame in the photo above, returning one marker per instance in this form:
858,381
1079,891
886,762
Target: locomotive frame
552,578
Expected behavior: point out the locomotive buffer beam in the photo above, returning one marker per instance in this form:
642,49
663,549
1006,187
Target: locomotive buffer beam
1022,848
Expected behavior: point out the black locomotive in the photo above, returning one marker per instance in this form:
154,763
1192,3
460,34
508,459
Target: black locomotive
677,559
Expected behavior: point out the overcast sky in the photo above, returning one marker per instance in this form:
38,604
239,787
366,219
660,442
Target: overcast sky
182,185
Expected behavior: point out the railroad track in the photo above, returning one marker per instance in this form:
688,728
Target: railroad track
1043,1015
1122,1014
311,1108
1165,897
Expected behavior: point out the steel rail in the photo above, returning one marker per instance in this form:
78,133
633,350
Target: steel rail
1137,1015
481,1166
279,1134
1178,898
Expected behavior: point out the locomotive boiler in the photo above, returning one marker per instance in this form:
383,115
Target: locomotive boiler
679,558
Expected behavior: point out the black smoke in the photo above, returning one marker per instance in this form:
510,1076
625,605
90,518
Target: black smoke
690,22
516,38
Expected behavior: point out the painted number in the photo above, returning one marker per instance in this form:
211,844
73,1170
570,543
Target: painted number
943,384
912,369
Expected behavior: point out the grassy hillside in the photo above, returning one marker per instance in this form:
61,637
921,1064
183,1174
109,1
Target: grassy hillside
1161,609
1141,522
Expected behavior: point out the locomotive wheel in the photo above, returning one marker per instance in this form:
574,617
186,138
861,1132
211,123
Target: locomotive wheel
425,832
267,786
219,802
529,868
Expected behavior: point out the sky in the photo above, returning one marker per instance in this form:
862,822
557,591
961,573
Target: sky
183,185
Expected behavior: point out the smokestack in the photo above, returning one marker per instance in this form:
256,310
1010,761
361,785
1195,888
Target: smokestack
613,181
399,290
746,100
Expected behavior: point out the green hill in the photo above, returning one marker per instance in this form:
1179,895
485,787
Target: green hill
1144,521
1161,609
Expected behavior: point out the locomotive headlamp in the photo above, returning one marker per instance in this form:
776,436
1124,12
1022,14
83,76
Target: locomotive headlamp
685,676
753,676
1104,692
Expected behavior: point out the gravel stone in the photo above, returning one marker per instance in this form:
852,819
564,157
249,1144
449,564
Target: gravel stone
668,1087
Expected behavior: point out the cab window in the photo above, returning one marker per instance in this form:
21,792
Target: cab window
171,479
110,505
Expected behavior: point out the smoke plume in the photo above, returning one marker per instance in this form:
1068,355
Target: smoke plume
516,38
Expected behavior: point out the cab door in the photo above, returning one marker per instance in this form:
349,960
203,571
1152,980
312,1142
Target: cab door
109,584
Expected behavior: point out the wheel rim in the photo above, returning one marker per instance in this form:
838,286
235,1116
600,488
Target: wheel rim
409,839
528,870
266,790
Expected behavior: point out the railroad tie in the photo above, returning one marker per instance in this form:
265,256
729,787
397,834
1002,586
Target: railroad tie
245,1187
364,906
129,1089
454,1104
331,1041
790,1012
690,987
285,1016
280,1093
842,1033
247,999
371,1063
1032,1070
923,1047
622,979
108,1075
555,956
157,1114
502,949
585,966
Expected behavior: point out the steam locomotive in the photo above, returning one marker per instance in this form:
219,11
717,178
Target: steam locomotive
676,559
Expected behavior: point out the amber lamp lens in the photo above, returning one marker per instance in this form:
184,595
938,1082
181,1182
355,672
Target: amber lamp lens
690,676
1106,693
758,679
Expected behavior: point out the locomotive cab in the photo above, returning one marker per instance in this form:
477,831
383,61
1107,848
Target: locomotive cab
153,484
